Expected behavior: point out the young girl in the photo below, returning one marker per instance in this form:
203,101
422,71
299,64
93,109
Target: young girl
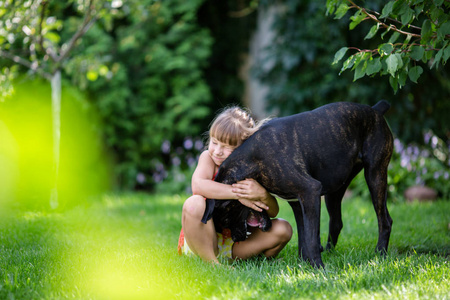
227,132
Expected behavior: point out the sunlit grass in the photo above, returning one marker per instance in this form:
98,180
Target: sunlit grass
124,247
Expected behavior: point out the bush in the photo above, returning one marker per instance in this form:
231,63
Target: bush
154,90
173,174
411,165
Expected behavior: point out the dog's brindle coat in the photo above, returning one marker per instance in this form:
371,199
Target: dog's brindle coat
308,155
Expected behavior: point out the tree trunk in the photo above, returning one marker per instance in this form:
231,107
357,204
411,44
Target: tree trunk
56,116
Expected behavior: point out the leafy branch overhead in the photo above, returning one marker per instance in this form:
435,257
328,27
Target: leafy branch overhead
31,34
413,31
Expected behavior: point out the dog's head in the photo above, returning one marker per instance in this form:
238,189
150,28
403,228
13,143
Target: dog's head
238,218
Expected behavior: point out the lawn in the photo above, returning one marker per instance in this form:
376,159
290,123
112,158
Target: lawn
124,247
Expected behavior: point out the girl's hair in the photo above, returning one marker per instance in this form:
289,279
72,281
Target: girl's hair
234,125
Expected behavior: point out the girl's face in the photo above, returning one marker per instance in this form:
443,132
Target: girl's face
219,151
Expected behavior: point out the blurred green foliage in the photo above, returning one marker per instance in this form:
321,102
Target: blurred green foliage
26,148
154,89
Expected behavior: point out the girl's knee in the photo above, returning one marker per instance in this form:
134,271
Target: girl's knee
282,229
194,206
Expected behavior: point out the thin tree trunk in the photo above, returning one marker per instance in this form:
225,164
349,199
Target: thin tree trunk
56,116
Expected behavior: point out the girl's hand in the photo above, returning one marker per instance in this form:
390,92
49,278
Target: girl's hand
250,189
256,205
251,194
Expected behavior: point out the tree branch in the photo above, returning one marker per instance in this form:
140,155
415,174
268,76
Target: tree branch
26,63
374,18
87,23
395,20
41,20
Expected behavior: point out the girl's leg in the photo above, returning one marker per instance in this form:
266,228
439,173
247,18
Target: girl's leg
270,243
201,238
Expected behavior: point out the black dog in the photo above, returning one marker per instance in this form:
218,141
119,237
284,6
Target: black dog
308,155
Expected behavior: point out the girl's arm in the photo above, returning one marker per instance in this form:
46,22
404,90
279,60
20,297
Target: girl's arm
202,184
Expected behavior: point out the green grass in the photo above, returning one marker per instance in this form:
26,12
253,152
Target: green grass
124,247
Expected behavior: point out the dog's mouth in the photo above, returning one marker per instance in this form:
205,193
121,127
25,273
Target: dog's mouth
254,220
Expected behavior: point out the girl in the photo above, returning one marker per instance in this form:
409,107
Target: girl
227,132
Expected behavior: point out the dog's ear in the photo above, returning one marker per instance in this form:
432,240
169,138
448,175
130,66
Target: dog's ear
267,221
221,215
239,232
239,226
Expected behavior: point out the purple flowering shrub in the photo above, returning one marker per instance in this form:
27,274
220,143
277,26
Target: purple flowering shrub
412,164
173,173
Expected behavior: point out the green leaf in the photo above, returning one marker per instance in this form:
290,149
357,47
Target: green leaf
446,55
407,16
394,83
407,40
428,55
373,66
348,64
414,73
360,71
426,32
387,9
437,58
402,77
443,30
435,13
331,6
400,7
392,64
339,55
360,66
341,11
399,60
418,9
357,18
417,52
394,37
385,49
53,37
372,32
92,75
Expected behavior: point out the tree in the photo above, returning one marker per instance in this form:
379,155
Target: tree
30,36
418,32
298,72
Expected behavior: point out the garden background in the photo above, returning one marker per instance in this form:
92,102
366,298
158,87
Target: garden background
139,89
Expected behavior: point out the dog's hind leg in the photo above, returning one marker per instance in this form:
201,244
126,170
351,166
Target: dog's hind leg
377,182
378,190
375,171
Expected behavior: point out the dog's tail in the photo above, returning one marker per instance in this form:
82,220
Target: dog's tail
382,106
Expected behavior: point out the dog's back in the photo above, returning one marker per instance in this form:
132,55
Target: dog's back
318,143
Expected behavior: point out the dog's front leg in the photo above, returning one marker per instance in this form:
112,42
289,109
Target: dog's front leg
310,203
298,213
